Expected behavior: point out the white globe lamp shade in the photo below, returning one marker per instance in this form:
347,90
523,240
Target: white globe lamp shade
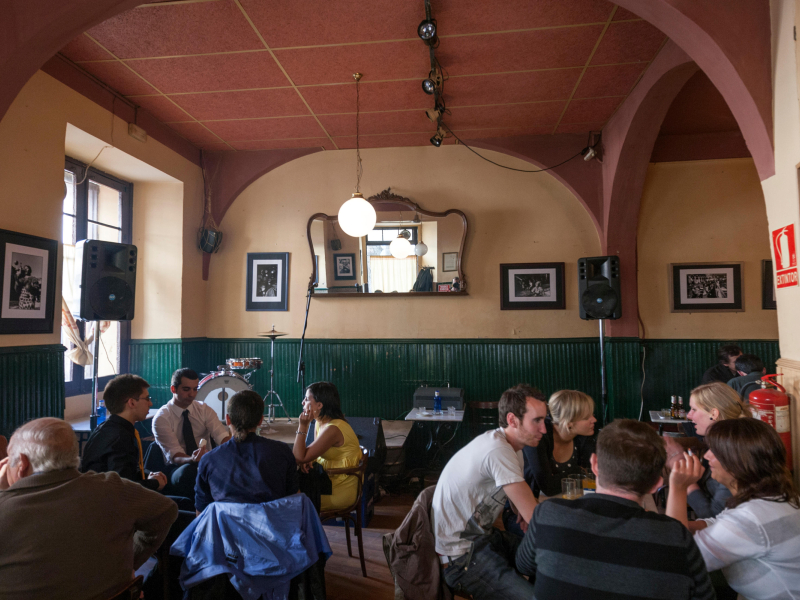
421,249
400,248
357,217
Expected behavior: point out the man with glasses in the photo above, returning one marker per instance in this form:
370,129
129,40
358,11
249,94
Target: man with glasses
115,445
181,426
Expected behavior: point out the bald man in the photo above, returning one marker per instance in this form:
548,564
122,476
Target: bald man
67,535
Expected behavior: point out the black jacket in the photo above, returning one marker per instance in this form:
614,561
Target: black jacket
538,461
112,447
718,372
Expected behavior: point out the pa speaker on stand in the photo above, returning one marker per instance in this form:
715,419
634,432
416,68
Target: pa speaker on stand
105,279
599,295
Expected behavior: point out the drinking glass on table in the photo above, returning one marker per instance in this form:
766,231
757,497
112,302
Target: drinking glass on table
588,483
570,488
451,411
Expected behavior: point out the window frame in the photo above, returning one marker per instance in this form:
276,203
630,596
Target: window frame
79,385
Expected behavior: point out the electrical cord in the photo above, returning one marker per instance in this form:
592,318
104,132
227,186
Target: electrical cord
460,141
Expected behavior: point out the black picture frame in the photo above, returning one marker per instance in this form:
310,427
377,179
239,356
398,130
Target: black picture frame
28,266
768,291
267,281
532,286
340,266
706,287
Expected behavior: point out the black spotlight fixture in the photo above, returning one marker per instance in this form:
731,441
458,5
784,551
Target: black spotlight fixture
436,140
427,30
429,86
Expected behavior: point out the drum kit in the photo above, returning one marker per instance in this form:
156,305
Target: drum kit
234,376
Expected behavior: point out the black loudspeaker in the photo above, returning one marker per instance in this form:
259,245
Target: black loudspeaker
369,432
599,288
105,274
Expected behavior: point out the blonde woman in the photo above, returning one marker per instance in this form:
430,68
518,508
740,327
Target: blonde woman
709,403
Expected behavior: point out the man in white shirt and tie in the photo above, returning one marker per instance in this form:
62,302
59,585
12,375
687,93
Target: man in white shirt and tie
180,425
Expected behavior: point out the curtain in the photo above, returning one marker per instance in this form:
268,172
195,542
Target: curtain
390,274
81,353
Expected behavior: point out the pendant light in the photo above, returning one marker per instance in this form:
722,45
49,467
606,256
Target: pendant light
400,247
421,249
357,217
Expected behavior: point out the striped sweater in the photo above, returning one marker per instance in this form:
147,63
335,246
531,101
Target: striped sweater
602,547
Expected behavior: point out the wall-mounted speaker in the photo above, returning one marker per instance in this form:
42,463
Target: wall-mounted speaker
599,288
105,274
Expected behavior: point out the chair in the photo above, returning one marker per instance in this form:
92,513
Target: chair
132,592
346,513
483,416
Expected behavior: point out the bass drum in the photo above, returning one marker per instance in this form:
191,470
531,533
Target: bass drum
218,387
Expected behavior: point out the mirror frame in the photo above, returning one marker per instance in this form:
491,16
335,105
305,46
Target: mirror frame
388,201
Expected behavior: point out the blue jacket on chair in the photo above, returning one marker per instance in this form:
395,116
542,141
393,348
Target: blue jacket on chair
260,546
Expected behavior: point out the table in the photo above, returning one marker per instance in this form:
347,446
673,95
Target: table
655,417
395,432
433,436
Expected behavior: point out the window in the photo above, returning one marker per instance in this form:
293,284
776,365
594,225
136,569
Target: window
97,207
384,272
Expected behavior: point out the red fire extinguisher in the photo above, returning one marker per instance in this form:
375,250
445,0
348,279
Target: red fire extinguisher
772,406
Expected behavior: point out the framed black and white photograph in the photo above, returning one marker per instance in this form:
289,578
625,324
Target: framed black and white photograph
449,261
267,281
532,286
769,300
344,266
27,283
706,287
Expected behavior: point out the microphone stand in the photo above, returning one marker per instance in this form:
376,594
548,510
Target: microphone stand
301,365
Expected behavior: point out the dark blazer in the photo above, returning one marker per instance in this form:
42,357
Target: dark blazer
538,466
113,447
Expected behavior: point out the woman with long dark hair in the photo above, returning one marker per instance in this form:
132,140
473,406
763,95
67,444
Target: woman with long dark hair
335,444
756,539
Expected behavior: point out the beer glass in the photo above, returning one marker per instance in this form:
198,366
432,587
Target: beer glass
570,488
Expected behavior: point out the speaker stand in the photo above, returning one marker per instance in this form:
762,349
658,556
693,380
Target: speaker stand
93,416
603,388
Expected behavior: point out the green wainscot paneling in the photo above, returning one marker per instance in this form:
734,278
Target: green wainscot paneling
31,384
378,377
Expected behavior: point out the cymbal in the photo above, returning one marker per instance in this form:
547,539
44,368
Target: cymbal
272,333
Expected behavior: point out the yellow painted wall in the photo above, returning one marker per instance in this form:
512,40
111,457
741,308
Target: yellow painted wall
704,211
513,217
32,138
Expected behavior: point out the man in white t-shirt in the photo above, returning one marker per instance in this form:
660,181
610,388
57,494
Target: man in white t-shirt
179,427
477,559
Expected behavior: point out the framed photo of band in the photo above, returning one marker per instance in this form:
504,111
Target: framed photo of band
344,266
267,281
706,287
27,283
532,286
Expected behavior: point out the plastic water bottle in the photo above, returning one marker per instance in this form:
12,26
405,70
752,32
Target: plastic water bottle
101,412
437,403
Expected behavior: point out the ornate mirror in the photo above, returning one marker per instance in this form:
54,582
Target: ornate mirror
411,251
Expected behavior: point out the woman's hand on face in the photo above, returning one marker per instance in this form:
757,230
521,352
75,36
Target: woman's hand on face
686,471
305,417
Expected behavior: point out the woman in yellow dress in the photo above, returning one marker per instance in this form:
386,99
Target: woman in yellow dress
335,444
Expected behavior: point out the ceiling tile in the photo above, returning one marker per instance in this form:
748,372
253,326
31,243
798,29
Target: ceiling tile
624,15
508,115
336,64
242,105
615,80
193,28
267,129
119,77
214,146
82,48
238,71
579,127
517,51
161,108
381,95
317,22
280,144
628,42
474,134
511,87
591,111
194,132
413,121
473,16
386,141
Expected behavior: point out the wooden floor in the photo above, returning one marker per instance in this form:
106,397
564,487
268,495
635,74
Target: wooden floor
343,577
